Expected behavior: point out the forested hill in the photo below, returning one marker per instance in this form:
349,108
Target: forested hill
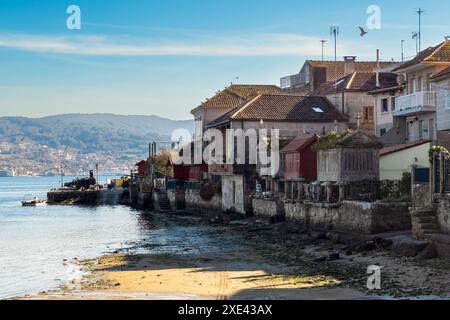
91,133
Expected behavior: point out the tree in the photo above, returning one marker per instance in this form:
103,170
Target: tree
161,162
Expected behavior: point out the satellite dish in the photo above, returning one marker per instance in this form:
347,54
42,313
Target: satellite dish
401,80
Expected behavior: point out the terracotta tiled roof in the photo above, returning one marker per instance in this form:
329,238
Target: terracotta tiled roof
359,81
445,72
399,147
237,94
439,53
284,108
300,143
339,69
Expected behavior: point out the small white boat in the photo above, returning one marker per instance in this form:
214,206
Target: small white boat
32,202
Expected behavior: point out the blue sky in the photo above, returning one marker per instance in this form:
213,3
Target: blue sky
165,57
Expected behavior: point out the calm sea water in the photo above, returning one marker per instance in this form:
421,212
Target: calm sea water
37,244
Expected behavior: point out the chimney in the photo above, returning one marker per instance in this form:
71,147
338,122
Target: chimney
349,64
378,69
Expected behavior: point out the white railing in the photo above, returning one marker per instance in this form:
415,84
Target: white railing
419,101
291,81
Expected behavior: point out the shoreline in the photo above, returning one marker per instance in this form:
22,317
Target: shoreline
271,264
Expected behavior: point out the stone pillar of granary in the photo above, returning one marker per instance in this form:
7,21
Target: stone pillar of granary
342,189
442,173
300,191
292,190
328,190
286,190
318,191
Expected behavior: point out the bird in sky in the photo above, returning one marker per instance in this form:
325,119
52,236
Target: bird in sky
362,31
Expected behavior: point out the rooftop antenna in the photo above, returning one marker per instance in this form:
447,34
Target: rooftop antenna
323,43
403,55
334,31
235,78
415,35
420,12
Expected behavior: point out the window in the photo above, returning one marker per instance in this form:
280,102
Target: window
318,110
393,103
384,105
420,84
447,100
412,86
429,85
382,132
368,114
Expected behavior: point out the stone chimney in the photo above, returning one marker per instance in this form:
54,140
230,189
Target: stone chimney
349,64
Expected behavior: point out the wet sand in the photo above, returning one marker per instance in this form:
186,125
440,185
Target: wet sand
253,261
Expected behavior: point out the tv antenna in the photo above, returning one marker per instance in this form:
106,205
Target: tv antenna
415,35
334,31
323,43
420,12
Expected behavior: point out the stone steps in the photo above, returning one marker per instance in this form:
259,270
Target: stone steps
424,222
429,219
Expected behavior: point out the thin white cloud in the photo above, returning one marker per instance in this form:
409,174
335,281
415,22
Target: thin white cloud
271,44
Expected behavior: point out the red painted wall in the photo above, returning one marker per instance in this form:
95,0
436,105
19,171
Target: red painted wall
187,173
142,168
301,164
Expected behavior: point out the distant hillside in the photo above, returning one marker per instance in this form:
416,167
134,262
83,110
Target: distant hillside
90,133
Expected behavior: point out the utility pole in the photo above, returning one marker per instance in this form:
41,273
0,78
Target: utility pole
415,35
403,56
334,31
323,43
420,12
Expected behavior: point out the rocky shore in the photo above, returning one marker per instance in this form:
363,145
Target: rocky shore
216,258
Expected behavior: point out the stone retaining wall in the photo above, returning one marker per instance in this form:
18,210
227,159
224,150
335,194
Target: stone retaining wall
351,216
443,212
195,204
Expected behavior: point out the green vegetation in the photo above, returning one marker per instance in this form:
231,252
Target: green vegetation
402,199
437,150
330,139
161,163
96,133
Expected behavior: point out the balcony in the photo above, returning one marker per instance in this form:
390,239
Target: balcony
419,102
292,81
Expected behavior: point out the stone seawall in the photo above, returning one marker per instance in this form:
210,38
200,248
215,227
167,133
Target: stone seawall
350,216
195,204
443,212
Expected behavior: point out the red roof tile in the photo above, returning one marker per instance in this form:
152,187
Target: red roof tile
283,107
300,143
237,94
399,147
439,53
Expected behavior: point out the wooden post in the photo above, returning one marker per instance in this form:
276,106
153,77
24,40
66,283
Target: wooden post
442,173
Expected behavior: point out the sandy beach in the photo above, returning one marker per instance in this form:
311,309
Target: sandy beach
251,261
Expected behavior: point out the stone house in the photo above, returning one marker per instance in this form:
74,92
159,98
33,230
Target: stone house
316,73
384,107
350,96
441,84
417,108
223,101
292,115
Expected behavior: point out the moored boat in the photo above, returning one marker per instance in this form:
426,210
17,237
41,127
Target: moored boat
33,202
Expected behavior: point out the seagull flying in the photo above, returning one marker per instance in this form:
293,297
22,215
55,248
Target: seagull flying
362,31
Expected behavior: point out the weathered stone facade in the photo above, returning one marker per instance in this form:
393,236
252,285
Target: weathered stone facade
350,216
443,212
195,203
